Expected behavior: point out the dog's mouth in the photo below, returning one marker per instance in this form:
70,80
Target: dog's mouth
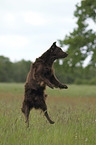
62,55
66,54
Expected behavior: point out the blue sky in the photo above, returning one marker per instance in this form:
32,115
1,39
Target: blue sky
28,27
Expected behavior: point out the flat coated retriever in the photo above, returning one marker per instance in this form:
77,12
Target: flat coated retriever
41,74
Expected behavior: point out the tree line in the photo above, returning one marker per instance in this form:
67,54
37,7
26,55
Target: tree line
17,72
13,72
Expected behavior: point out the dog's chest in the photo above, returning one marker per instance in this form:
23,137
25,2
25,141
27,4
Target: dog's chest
47,71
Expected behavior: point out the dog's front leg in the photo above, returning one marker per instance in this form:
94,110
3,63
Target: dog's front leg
48,83
39,72
57,83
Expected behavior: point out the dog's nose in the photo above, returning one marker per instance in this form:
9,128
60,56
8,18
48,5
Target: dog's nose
66,54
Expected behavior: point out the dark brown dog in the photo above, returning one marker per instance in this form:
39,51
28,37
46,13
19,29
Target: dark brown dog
41,75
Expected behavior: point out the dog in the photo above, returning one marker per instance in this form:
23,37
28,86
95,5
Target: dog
41,74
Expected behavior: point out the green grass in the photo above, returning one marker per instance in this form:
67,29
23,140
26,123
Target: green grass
74,91
73,110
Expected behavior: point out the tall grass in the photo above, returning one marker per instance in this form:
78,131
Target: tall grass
73,110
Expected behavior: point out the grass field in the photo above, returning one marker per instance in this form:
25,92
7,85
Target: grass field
73,110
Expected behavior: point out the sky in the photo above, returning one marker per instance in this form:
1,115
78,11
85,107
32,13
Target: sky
28,28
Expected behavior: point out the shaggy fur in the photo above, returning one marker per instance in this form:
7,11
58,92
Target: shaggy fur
41,75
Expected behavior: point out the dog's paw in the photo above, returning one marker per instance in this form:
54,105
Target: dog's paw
52,122
63,87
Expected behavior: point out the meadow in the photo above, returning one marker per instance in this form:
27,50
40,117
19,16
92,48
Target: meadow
73,110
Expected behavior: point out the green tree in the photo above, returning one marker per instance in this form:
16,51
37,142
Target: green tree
13,72
20,70
5,69
82,41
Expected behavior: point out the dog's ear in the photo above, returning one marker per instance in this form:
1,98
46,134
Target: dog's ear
53,46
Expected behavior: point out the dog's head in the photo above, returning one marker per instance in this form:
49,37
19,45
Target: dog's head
56,52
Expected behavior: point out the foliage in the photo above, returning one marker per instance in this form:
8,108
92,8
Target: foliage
20,70
82,41
78,74
5,68
17,72
13,72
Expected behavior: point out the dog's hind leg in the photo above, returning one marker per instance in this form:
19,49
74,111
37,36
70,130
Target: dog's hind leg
48,118
26,111
44,108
